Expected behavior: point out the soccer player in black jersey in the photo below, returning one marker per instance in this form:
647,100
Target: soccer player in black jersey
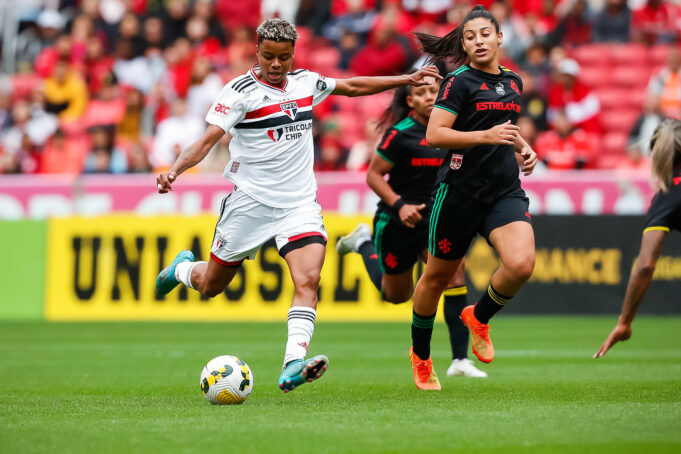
401,220
664,215
474,117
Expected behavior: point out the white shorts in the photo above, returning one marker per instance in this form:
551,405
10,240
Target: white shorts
246,224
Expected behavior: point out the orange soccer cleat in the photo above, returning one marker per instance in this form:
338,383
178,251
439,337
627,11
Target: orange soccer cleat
480,341
424,375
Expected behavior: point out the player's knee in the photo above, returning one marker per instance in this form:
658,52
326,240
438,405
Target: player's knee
645,266
210,288
396,297
438,281
521,267
308,281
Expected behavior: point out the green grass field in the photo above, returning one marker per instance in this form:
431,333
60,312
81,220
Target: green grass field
134,387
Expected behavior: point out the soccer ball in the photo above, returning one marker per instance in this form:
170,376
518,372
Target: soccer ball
226,380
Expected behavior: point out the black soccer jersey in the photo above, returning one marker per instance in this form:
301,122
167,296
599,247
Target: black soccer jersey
480,101
415,164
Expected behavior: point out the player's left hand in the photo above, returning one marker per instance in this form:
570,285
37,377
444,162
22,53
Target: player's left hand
529,160
421,77
621,332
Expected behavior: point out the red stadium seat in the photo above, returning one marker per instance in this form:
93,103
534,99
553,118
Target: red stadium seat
595,76
630,76
628,54
611,98
25,84
636,98
658,55
324,59
592,55
620,120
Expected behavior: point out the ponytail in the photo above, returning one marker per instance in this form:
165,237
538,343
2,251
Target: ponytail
398,109
666,151
449,46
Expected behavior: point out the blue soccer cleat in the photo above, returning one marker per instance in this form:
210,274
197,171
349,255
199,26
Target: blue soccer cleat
166,280
302,371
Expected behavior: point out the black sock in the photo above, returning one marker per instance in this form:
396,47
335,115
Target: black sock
455,301
421,332
490,303
368,252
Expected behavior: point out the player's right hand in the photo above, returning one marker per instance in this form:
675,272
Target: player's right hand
503,134
621,332
409,214
164,182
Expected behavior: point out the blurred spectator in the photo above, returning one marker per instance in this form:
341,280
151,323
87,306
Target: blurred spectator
313,14
48,58
667,85
175,19
575,28
427,10
130,30
33,40
634,161
537,66
153,34
564,147
130,126
130,70
348,46
613,24
138,159
332,155
205,87
643,129
241,53
568,94
97,66
5,116
179,63
517,37
103,157
362,150
62,155
357,20
174,134
527,130
532,103
384,54
655,22
66,93
204,9
285,9
236,13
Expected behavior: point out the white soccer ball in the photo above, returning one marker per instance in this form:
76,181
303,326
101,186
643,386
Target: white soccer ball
226,380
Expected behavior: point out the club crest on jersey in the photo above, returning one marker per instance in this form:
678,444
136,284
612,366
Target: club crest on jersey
455,164
500,89
290,109
275,134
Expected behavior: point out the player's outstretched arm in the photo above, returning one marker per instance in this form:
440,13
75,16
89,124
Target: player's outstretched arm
190,157
363,86
639,281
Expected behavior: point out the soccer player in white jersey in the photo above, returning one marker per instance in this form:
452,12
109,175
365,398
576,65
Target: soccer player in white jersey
268,112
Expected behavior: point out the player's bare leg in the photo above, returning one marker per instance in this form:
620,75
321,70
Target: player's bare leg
209,278
515,244
305,265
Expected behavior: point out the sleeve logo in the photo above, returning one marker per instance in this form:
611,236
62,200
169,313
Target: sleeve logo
514,87
446,92
321,85
221,109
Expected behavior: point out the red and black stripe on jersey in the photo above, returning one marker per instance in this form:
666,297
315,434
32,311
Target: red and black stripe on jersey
480,101
290,112
415,164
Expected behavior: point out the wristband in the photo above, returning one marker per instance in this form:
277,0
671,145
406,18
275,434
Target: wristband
399,203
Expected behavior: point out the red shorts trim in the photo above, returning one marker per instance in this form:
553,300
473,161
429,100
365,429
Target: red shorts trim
222,262
305,235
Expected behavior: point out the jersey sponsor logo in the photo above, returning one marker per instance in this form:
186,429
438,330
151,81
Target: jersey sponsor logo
677,181
445,246
275,134
290,109
456,162
514,87
426,162
388,139
497,106
221,109
446,92
484,86
500,89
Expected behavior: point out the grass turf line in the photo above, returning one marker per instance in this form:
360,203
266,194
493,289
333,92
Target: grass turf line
115,387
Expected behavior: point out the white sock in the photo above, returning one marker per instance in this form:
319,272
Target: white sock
300,328
183,272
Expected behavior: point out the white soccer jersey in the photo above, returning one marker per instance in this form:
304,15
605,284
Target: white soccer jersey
272,154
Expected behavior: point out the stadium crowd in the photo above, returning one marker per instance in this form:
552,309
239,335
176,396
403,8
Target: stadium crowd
122,86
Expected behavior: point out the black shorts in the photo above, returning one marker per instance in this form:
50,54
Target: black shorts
665,211
398,246
456,220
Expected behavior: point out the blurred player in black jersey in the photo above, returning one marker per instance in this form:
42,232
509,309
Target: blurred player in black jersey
401,220
474,117
664,215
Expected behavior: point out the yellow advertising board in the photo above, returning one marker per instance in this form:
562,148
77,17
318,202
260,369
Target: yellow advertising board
105,268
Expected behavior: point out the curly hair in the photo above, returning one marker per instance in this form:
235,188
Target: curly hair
279,30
